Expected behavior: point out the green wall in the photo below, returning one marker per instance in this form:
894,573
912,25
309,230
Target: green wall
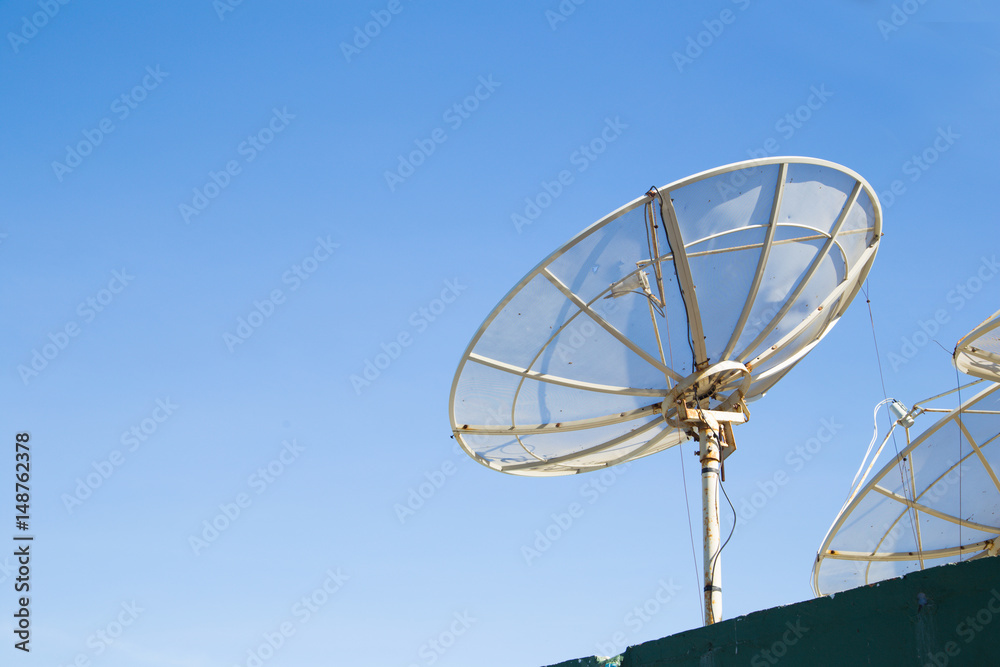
948,615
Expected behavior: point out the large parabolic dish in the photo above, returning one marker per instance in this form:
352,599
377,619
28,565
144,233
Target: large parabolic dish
660,321
707,290
937,501
978,353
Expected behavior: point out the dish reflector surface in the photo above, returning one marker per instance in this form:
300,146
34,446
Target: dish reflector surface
732,275
936,502
978,354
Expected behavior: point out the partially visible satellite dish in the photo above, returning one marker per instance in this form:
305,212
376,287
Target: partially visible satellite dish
978,353
659,321
937,501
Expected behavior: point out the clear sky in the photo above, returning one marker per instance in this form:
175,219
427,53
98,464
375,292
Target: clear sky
244,245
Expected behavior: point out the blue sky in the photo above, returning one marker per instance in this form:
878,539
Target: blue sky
216,214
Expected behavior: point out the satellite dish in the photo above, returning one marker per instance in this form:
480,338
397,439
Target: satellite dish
978,353
937,501
658,322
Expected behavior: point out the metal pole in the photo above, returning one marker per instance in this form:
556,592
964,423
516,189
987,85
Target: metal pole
711,457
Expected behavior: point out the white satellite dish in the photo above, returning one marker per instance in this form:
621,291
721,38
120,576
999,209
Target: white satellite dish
937,501
978,353
659,321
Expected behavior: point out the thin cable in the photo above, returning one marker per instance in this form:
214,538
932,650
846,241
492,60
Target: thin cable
650,229
653,260
958,419
687,503
958,381
653,246
673,262
715,558
687,500
878,356
907,491
868,452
